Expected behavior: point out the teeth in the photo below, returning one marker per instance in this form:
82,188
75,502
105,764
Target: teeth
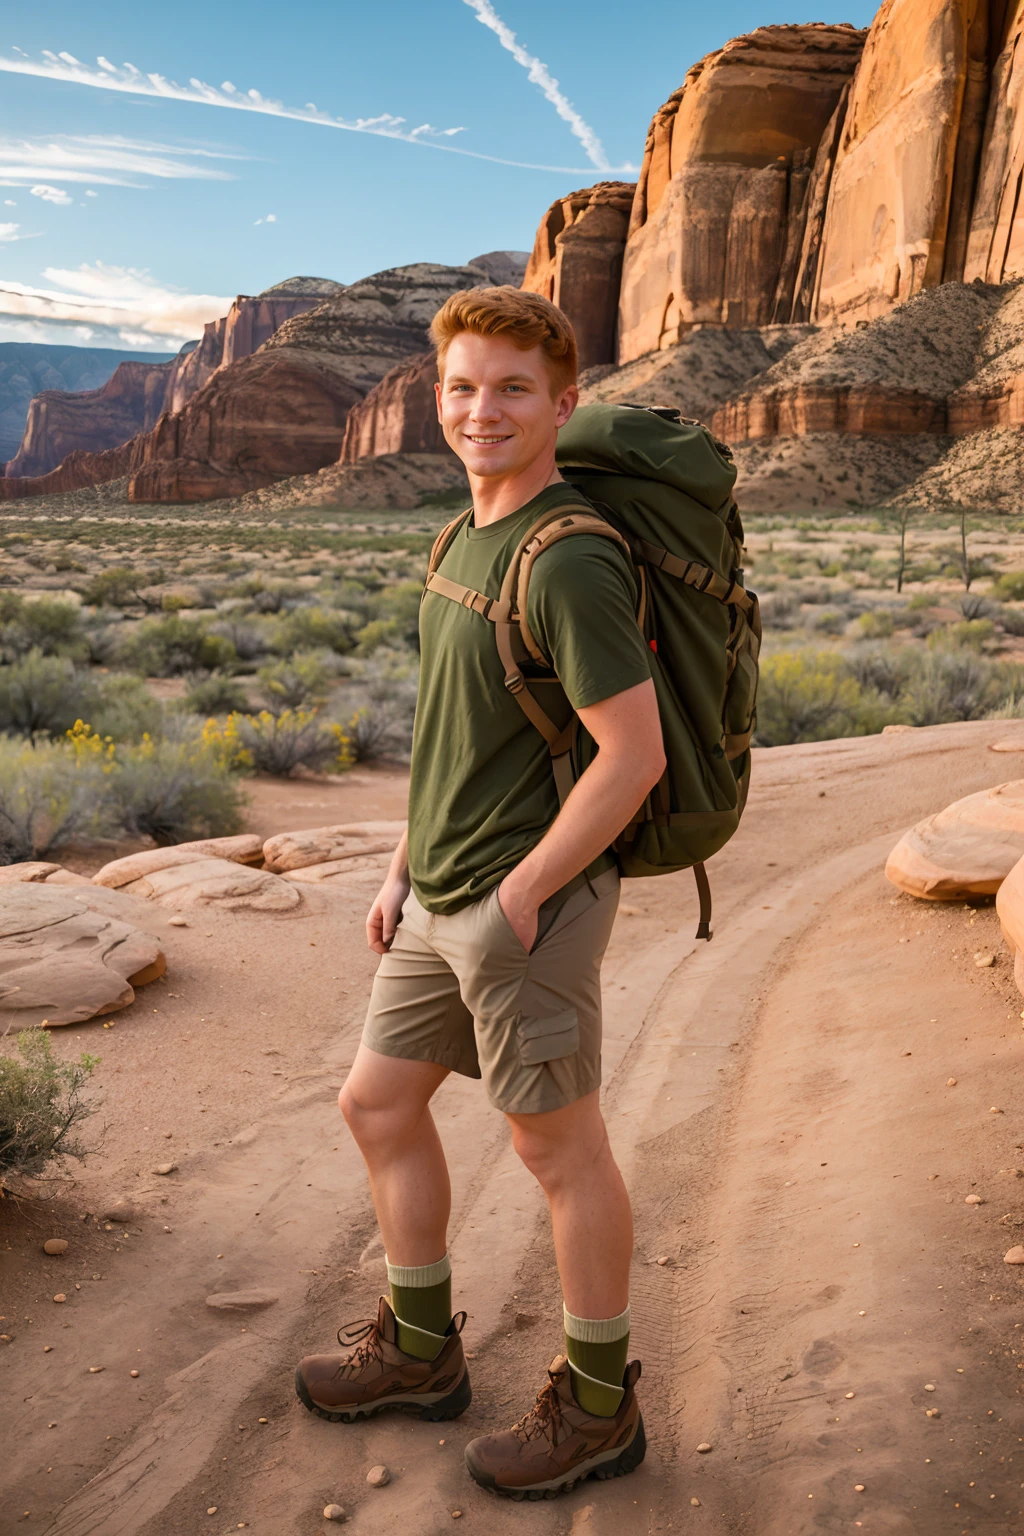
486,439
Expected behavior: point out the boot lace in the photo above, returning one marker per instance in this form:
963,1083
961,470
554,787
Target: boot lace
544,1418
362,1340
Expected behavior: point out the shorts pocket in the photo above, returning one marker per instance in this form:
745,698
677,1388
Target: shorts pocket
549,1038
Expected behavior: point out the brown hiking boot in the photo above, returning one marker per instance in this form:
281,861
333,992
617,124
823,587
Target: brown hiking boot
556,1445
376,1374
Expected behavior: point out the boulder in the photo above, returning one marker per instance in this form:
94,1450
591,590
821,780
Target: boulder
399,415
246,848
966,850
290,851
901,191
577,263
181,879
335,869
36,872
719,219
1010,909
63,960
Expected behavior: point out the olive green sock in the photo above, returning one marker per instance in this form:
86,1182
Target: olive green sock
421,1299
597,1350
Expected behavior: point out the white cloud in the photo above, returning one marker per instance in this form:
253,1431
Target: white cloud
132,81
9,232
51,195
120,304
542,76
9,202
109,160
90,193
270,218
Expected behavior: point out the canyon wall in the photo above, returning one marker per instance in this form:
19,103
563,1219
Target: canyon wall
730,172
399,415
576,262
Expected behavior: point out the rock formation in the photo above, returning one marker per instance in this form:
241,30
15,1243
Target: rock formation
719,231
27,368
181,877
577,263
399,415
289,852
139,392
502,267
1010,908
65,957
966,850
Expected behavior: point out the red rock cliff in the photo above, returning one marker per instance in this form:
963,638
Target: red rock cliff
577,263
399,415
719,220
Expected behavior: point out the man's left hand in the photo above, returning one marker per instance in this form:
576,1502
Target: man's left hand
521,914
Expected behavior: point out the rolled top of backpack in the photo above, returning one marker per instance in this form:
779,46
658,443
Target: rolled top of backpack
646,444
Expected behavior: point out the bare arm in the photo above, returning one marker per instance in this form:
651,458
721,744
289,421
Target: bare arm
630,761
383,917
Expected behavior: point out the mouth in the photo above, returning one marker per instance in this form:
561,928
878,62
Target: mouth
487,442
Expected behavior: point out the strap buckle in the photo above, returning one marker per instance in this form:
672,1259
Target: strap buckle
515,682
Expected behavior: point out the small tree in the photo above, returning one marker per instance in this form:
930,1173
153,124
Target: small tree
41,1105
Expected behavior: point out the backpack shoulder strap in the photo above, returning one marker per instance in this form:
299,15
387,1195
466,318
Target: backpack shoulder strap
571,521
439,548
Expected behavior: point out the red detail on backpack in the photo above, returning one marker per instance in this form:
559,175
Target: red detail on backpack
653,645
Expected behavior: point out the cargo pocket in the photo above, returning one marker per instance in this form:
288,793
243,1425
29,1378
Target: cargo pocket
547,1039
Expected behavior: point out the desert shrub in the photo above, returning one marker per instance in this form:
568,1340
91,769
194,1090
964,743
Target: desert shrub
168,647
369,732
804,696
384,685
968,634
294,681
974,606
52,793
42,695
1009,587
952,685
51,627
122,708
828,621
875,625
217,694
173,791
41,1105
396,621
880,669
249,638
1011,621
117,587
313,629
780,609
295,738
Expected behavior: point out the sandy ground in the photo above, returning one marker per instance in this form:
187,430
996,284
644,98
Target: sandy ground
778,1101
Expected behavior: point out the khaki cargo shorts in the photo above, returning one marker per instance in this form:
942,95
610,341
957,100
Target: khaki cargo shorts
459,989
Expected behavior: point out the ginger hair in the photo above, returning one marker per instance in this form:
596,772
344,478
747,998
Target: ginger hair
527,319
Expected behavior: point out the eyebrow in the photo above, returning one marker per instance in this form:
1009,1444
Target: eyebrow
510,378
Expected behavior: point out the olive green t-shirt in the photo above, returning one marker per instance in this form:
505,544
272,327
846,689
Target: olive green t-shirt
482,792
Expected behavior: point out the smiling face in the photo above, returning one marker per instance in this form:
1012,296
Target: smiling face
496,406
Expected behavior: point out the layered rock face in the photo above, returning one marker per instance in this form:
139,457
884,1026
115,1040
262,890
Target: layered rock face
399,415
899,204
27,368
138,392
726,218
995,248
577,263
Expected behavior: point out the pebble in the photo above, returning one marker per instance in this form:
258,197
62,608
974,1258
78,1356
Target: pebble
213,1508
334,1512
177,922
94,1370
695,1503
123,1211
47,1349
1015,1256
133,1373
851,1394
378,1476
950,1082
995,1110
983,960
704,1447
165,1168
663,1260
929,1386
973,1200
55,1245
858,1487
60,1296
932,1413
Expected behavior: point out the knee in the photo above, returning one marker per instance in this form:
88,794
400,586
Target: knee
373,1124
541,1156
557,1160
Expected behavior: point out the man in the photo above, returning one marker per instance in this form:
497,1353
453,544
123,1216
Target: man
493,921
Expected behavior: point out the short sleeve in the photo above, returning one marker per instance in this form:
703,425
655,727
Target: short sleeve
581,606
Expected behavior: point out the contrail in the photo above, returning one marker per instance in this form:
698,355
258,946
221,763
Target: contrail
128,79
542,76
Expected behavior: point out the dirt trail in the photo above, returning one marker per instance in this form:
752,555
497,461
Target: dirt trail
804,1175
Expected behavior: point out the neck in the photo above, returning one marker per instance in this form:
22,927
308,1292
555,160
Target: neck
497,497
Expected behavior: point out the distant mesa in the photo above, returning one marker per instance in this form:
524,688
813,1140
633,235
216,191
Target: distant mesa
303,288
504,268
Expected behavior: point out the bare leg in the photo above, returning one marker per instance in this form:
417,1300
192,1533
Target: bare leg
567,1152
385,1101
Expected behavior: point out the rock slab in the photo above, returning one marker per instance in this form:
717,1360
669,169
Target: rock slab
966,850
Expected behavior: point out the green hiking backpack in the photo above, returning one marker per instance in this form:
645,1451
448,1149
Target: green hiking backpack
661,488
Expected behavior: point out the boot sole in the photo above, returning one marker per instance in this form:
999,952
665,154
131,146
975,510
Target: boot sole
627,1460
449,1407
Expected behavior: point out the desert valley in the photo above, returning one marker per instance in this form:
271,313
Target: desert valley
210,572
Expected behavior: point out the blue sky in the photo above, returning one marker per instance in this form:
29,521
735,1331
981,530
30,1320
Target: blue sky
129,215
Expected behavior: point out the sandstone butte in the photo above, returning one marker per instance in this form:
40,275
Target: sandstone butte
137,393
577,263
728,208
280,411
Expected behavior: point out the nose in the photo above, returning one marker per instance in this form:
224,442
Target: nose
486,406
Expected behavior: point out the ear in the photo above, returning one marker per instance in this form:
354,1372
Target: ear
567,402
437,397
